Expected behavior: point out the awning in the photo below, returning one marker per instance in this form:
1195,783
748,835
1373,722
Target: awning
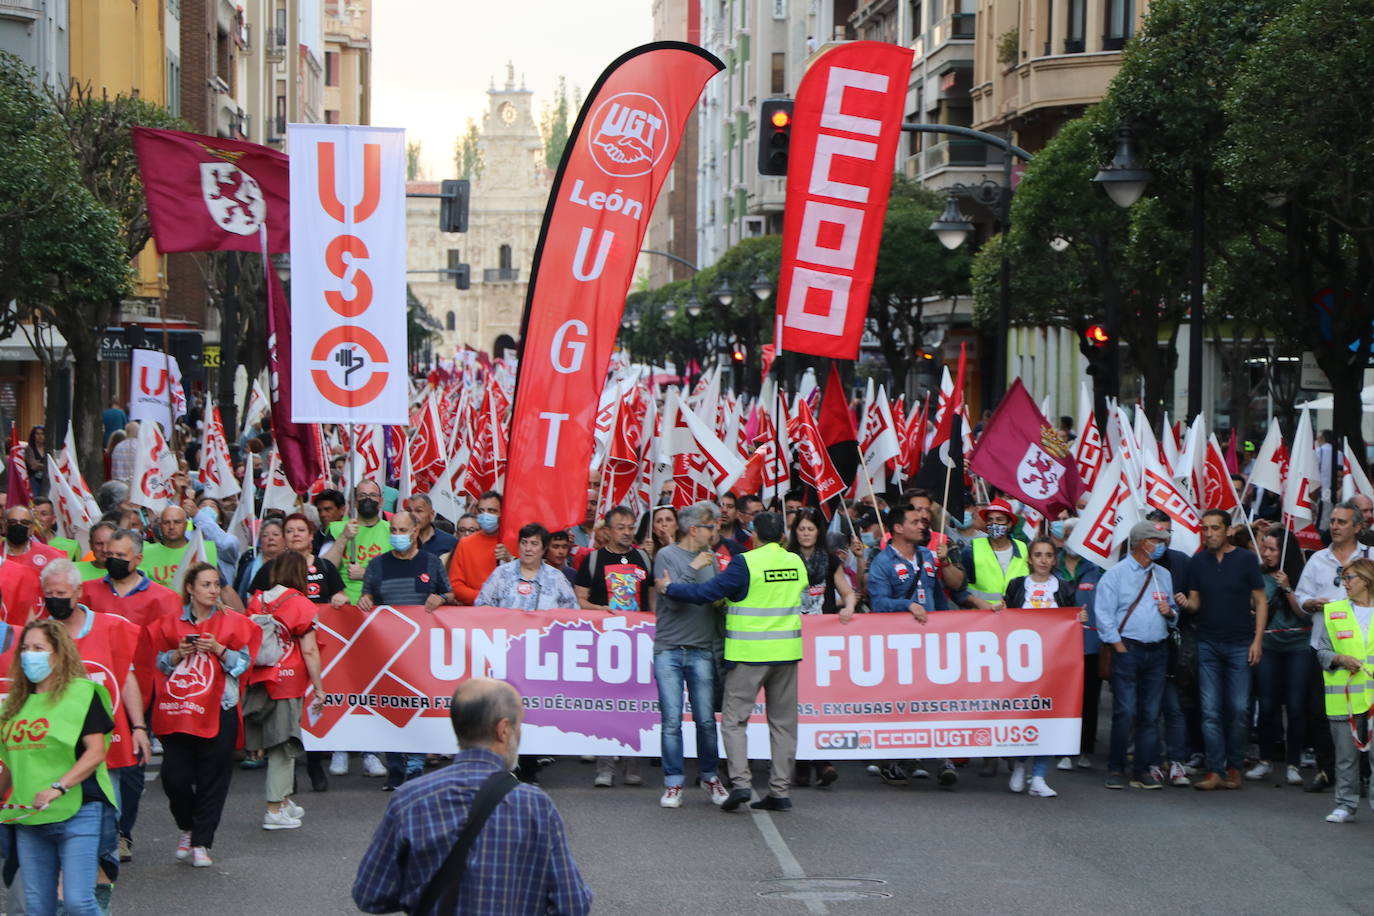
16,347
1329,402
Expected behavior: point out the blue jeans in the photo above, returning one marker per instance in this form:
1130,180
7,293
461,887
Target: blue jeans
70,847
1175,724
1224,685
697,668
1137,688
1283,677
401,767
129,783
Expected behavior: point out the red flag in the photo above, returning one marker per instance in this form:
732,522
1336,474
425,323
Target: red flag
1232,460
208,194
812,460
846,124
617,157
426,448
914,442
17,491
951,403
1020,454
297,443
1216,491
837,420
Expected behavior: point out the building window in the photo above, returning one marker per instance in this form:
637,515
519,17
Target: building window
451,322
331,116
224,59
779,73
503,256
280,120
1073,41
1049,27
1120,24
174,85
917,23
331,68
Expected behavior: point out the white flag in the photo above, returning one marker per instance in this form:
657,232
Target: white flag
155,388
195,553
154,467
1302,475
722,464
244,523
216,473
1106,518
1353,478
74,519
278,493
1267,471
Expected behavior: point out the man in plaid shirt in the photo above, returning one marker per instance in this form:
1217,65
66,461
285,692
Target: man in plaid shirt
520,862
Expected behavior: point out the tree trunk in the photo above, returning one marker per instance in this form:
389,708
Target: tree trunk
88,400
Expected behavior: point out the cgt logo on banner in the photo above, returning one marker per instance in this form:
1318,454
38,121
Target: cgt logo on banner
1007,682
348,261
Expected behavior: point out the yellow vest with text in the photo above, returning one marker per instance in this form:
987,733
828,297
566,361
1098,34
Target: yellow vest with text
765,626
989,582
1346,639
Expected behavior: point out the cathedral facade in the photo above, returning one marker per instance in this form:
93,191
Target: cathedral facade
507,208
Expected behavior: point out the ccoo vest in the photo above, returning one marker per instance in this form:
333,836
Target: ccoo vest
765,626
1346,639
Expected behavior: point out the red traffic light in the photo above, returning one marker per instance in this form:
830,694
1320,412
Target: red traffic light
1097,335
781,117
738,355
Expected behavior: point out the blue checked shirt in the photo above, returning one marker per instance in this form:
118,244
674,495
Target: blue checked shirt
520,862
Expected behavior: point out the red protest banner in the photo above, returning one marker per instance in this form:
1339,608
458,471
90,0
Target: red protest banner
967,683
617,157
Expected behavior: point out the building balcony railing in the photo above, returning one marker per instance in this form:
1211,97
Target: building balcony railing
501,275
955,25
960,154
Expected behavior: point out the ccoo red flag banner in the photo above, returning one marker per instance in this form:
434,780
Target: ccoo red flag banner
208,194
846,122
617,157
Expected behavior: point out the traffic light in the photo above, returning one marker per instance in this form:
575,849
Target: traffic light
453,208
738,355
775,135
1097,336
460,272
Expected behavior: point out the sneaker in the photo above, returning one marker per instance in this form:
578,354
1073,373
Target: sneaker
715,790
184,846
1308,760
1320,783
604,780
948,777
1040,789
1115,781
126,849
1260,770
1158,774
200,857
1293,777
1145,781
874,770
292,809
1340,816
1178,776
672,797
893,775
1018,778
634,779
1195,762
279,820
920,773
1065,764
1084,763
772,803
338,763
989,767
372,766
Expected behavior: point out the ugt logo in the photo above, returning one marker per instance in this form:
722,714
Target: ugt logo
628,134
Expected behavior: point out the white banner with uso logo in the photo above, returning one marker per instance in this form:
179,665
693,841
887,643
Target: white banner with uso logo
348,274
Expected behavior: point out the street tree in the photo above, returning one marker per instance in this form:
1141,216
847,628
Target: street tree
555,121
467,153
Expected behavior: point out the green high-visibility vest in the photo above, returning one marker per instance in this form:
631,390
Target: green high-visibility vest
39,745
989,582
161,562
766,625
90,571
1347,639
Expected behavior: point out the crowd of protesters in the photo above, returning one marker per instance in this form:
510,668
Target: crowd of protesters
1243,662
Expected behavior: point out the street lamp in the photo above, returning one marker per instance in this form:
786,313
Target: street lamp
724,294
952,227
762,286
694,306
1125,178
670,309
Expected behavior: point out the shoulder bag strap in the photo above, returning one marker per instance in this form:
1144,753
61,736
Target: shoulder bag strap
1131,610
441,894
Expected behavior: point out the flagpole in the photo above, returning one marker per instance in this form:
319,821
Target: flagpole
882,529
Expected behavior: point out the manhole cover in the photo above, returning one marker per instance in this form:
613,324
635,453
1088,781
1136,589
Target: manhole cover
823,889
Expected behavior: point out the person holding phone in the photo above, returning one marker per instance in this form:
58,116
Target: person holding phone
201,655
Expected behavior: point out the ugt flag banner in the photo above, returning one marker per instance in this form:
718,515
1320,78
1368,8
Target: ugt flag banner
208,194
617,157
155,391
970,683
846,123
348,274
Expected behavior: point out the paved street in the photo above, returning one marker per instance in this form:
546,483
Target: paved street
978,849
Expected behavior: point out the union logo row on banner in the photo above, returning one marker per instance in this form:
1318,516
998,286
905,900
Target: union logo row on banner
967,684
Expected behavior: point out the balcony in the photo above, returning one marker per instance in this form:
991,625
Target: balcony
501,275
955,25
959,153
276,42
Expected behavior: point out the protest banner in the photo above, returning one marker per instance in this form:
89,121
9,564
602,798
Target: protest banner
969,683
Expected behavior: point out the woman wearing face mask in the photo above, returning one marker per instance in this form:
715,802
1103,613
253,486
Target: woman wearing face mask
59,772
201,655
1342,636
323,584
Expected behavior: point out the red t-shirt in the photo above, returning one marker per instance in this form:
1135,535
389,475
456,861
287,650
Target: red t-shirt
37,556
188,700
108,650
295,616
20,592
140,607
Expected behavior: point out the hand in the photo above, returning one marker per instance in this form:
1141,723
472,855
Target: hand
317,702
1255,653
143,748
1181,600
942,552
856,547
919,612
1280,578
502,554
46,797
350,529
365,603
1349,663
1165,610
847,613
189,507
339,600
1083,616
355,571
434,601
208,644
702,560
1120,648
662,583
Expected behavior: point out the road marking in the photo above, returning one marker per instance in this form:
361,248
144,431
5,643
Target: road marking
791,868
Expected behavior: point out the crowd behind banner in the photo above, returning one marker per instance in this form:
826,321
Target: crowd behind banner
1226,598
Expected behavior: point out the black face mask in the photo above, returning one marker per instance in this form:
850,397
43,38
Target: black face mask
58,608
117,567
17,533
368,507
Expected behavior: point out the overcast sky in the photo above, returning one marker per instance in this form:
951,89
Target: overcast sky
433,60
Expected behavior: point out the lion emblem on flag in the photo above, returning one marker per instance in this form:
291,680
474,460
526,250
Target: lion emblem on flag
233,197
1039,473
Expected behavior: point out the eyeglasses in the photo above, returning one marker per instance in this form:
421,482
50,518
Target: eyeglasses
1345,578
707,527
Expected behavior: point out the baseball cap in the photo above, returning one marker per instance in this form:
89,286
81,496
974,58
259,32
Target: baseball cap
1147,529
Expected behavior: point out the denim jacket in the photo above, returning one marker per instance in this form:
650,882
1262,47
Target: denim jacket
894,582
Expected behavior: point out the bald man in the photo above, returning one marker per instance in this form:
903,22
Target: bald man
20,543
161,560
521,856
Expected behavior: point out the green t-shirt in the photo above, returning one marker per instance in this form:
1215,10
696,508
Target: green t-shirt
367,543
160,563
89,570
72,548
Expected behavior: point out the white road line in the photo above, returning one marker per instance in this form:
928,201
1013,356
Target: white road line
791,868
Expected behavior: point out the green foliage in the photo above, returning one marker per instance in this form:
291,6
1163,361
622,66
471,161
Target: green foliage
413,152
467,153
1009,47
555,121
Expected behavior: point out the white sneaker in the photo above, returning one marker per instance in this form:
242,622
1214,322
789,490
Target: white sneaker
1178,776
672,797
372,766
587,758
632,777
1040,789
1084,763
604,780
920,773
200,857
292,809
1018,778
873,769
715,790
1294,778
338,763
1308,760
184,846
1260,770
1065,763
1340,816
279,820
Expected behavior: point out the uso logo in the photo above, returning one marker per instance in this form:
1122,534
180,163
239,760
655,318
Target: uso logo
21,730
846,740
